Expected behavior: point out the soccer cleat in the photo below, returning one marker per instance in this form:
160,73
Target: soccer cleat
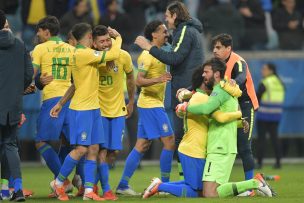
153,188
249,193
52,195
109,195
59,191
92,196
95,189
17,196
5,194
27,193
127,191
264,188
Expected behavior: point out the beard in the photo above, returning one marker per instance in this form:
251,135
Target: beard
210,83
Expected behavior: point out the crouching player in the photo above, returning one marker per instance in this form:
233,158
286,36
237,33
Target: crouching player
192,149
222,139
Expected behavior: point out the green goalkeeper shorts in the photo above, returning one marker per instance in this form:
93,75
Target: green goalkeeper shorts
218,167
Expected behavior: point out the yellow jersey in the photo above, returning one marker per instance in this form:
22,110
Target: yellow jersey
54,57
151,96
111,86
194,142
86,75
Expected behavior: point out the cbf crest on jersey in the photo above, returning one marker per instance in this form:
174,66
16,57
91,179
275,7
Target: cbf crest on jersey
96,53
141,66
84,136
115,69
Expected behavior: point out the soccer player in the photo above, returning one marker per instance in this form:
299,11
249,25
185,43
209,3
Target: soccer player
186,54
192,149
54,58
86,122
238,70
112,103
153,121
222,139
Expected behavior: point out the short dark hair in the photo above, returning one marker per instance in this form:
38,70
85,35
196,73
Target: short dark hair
224,39
216,65
151,27
181,11
100,30
79,30
2,19
107,3
197,77
272,67
50,23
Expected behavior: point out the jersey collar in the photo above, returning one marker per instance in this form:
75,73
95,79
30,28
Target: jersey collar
200,90
55,38
79,46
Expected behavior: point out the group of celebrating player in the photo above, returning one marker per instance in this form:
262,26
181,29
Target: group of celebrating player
84,106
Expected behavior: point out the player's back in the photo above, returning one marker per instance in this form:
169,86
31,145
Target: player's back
151,96
196,129
86,78
111,87
55,58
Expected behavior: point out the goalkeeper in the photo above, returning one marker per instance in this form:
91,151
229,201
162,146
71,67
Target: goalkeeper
192,149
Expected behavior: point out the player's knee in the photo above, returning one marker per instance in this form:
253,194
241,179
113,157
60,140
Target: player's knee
102,155
80,151
93,150
169,143
142,146
210,193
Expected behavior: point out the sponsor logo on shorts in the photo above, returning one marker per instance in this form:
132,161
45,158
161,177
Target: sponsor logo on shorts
165,128
84,136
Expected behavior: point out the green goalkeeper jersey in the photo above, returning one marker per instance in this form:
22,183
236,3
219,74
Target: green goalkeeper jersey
222,137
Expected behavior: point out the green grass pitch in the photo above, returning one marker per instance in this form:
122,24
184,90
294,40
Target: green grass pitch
289,188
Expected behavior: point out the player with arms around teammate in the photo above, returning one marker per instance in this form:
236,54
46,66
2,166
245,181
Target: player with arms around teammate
222,139
192,149
86,122
153,121
54,58
238,70
112,103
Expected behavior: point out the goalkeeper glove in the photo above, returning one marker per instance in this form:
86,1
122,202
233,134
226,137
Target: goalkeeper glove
233,90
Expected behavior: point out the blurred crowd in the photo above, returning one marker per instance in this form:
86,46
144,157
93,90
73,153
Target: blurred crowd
253,24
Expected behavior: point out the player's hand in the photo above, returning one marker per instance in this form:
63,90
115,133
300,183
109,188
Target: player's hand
22,120
164,78
130,109
46,79
30,89
183,94
181,109
231,87
113,33
143,43
245,124
56,110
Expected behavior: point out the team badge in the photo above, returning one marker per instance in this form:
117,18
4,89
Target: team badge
115,69
83,136
96,53
165,128
213,94
141,66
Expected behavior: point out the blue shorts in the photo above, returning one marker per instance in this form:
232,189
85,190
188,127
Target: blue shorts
153,123
193,169
113,132
49,128
86,127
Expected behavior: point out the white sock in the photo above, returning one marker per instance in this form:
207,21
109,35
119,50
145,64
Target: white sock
88,190
58,182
